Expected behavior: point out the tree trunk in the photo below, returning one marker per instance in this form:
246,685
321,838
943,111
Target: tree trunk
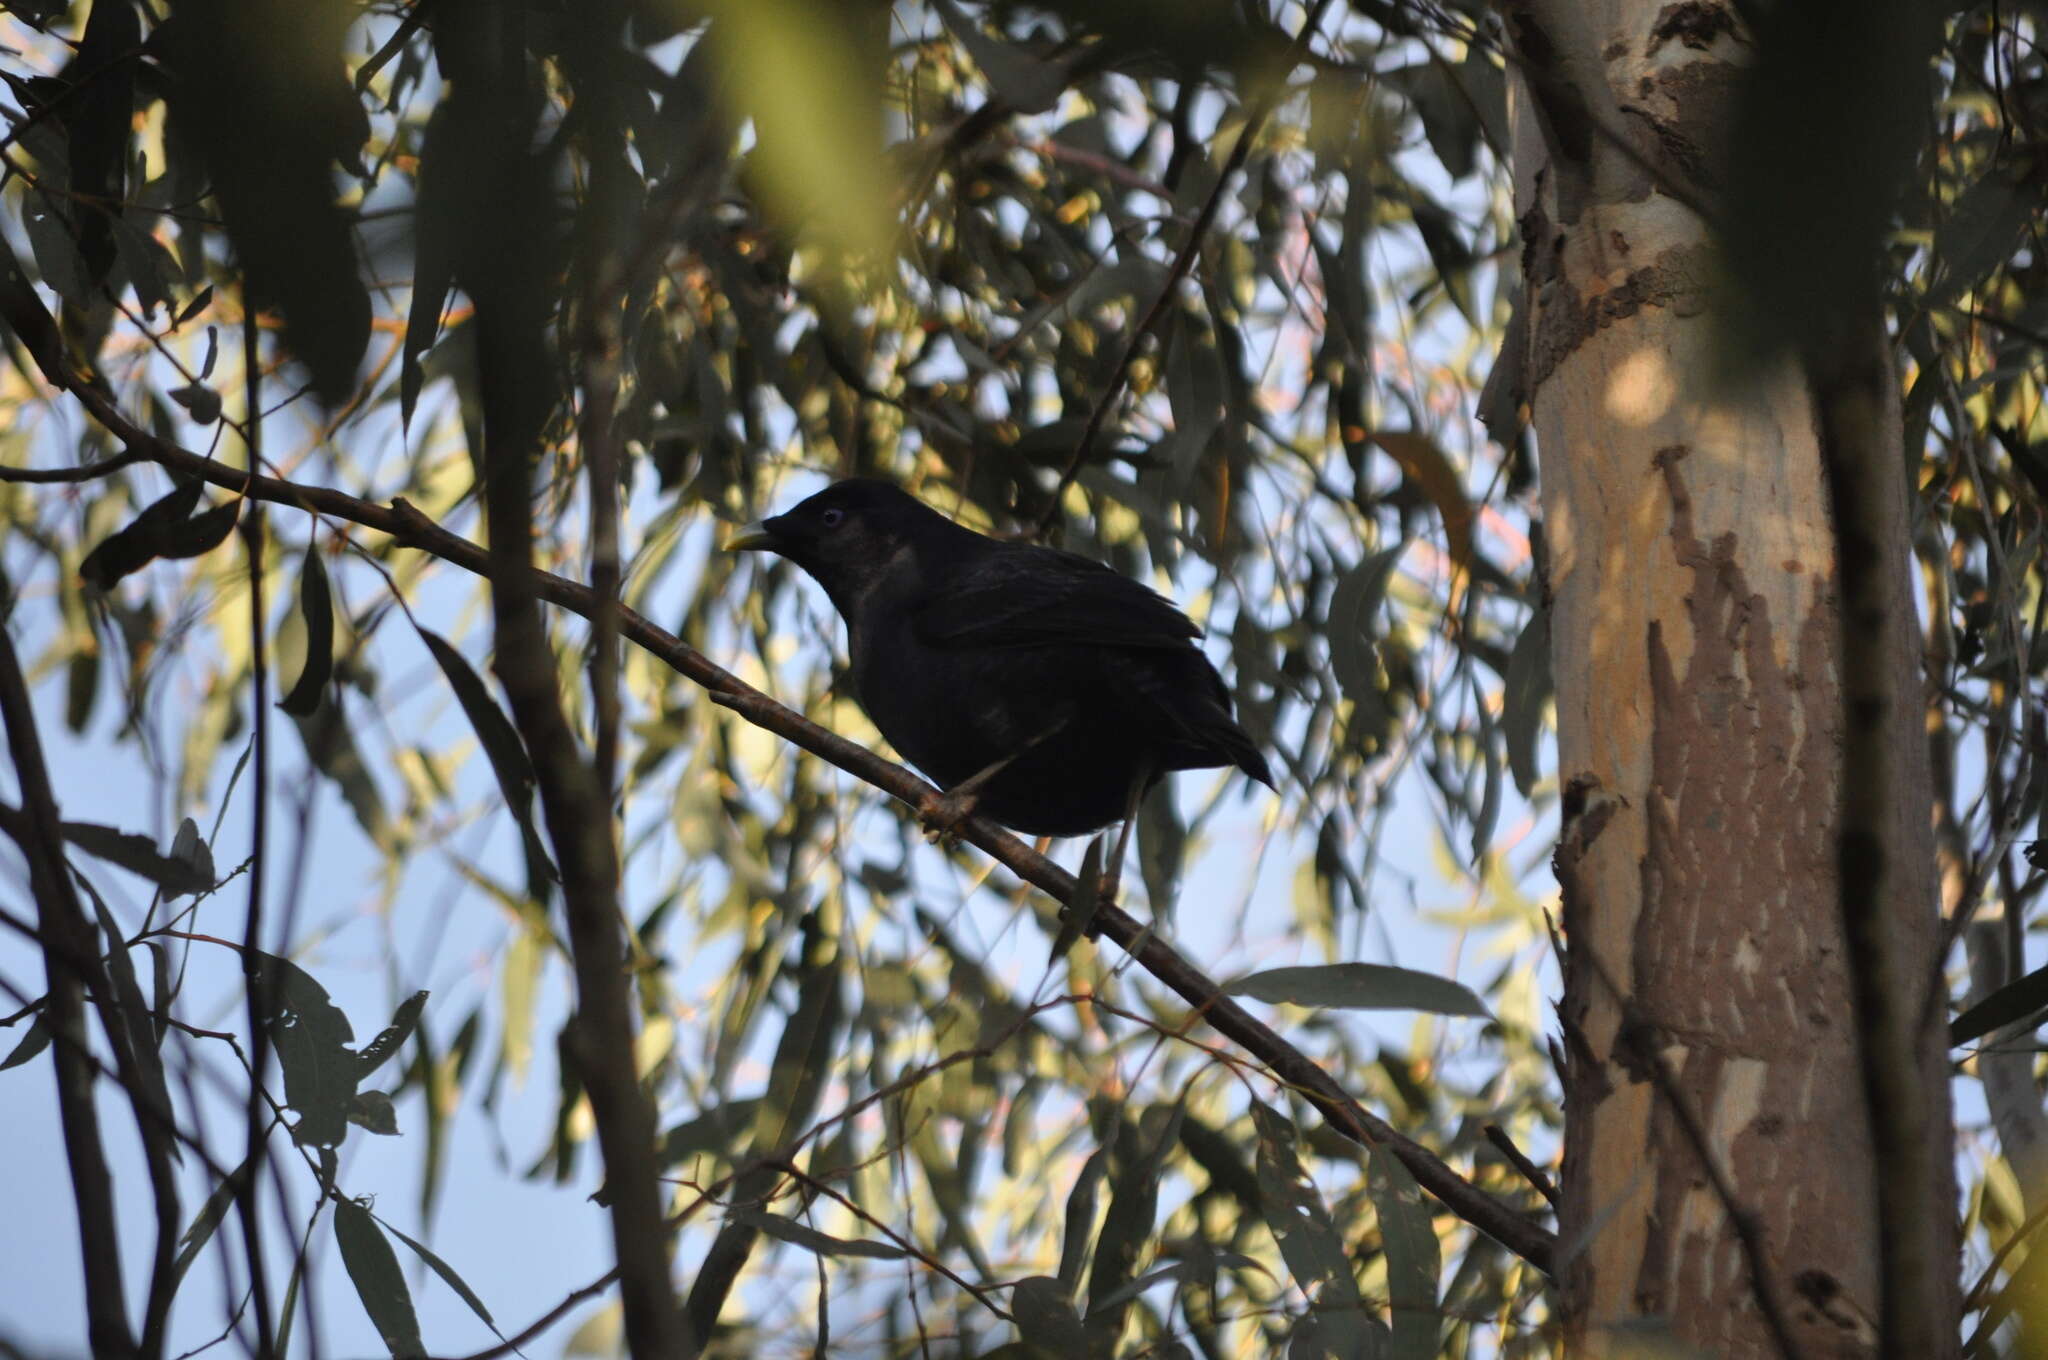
1715,1116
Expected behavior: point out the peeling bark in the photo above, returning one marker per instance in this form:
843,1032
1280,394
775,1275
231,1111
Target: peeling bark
1698,654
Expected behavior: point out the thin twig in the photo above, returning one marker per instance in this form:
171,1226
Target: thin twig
258,982
1519,1159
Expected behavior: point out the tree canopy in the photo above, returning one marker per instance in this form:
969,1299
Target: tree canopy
306,295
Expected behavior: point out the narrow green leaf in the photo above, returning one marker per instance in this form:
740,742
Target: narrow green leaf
134,546
208,1219
1139,1161
448,1277
811,1240
404,1021
81,684
1200,1269
717,1132
332,748
1024,82
1309,1242
177,876
2015,1001
1360,987
1527,688
162,990
1078,918
1414,1258
316,606
33,1042
200,534
199,303
502,747
1080,1220
380,1284
1353,625
138,1030
1489,803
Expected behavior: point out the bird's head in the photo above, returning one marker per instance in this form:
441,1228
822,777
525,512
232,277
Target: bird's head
850,534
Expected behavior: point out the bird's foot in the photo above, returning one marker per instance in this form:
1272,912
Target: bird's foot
942,813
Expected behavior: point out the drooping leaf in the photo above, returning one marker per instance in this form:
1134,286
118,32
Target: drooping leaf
1528,687
1294,1212
142,1066
332,748
96,113
276,65
804,73
441,200
1425,463
1353,627
373,1269
1024,82
138,544
505,751
404,1021
448,1277
2014,1002
811,1240
203,1224
1141,1152
718,1132
317,608
1414,1259
33,1042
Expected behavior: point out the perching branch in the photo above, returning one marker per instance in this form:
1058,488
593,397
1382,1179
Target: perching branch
1514,1230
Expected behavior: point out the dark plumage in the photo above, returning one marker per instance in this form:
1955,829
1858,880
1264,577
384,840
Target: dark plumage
968,651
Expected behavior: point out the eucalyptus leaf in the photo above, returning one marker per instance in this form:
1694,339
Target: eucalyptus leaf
1359,986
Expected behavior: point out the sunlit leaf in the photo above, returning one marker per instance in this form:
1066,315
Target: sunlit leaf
803,71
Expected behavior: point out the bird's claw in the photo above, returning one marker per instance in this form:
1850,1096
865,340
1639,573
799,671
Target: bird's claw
942,813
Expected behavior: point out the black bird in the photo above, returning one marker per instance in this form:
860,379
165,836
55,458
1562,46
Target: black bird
1040,689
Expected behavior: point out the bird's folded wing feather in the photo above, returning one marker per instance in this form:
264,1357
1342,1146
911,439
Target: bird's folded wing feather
1038,597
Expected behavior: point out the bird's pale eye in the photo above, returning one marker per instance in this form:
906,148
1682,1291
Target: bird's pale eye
831,518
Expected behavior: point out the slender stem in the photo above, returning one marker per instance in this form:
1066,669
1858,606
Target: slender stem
256,980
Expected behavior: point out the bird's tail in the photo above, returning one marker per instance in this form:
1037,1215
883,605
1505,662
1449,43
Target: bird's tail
1232,741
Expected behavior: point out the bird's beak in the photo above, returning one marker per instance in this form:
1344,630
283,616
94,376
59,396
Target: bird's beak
755,535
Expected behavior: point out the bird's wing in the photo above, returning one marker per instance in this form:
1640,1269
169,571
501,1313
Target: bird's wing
1025,596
